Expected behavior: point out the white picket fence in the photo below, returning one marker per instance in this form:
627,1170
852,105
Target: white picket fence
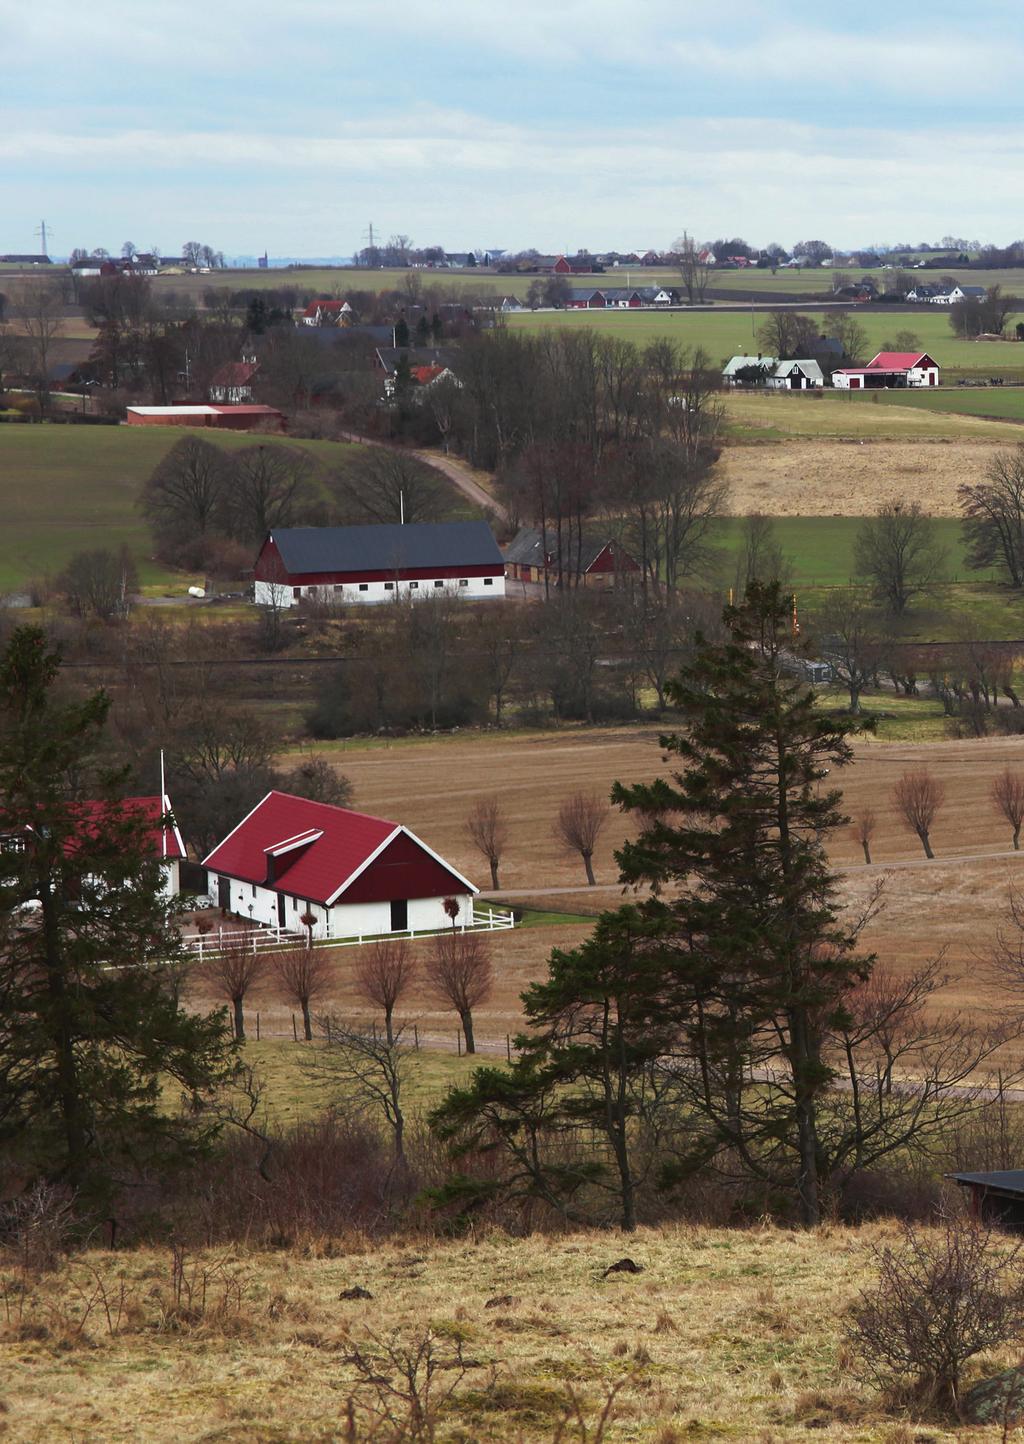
273,939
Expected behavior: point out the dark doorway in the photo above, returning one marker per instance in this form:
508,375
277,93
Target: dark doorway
400,916
281,900
224,893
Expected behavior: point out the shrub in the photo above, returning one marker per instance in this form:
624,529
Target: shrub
942,1296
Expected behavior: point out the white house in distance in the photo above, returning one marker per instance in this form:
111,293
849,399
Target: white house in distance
748,364
801,375
358,564
356,875
889,368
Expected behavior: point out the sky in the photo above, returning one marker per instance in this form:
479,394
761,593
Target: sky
558,124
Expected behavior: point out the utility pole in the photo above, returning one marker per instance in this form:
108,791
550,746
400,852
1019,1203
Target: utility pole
367,236
41,233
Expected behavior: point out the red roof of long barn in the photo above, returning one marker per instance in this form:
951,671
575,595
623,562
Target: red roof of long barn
341,843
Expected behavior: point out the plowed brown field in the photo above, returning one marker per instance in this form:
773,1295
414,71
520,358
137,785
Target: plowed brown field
951,903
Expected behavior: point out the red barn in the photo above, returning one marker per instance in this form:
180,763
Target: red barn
223,418
356,875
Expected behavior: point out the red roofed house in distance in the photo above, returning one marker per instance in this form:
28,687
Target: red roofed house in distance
358,876
889,368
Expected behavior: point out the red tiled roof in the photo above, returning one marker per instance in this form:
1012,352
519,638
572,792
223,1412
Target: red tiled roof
329,306
424,374
152,809
234,373
315,851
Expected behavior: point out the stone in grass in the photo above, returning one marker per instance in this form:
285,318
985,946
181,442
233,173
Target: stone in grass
357,1292
624,1266
999,1400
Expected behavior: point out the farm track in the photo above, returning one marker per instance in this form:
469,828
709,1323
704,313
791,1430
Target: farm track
459,473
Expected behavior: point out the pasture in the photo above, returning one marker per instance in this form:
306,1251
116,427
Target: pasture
65,489
949,414
734,332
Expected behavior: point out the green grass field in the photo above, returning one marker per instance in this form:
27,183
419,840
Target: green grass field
905,415
728,333
66,489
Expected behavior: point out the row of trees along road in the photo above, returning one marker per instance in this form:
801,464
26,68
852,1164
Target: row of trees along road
730,1023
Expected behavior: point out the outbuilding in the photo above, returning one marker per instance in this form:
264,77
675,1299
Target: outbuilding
342,564
889,369
995,1198
290,860
223,418
599,561
801,375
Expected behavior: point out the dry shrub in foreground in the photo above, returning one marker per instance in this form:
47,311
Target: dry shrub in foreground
943,1295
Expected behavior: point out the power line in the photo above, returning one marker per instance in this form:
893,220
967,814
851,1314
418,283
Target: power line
40,231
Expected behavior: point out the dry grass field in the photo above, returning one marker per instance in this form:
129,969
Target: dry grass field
725,1335
853,477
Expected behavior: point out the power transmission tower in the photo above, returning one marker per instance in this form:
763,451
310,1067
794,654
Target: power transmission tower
367,236
41,233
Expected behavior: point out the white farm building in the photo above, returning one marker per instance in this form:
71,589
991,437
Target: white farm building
343,564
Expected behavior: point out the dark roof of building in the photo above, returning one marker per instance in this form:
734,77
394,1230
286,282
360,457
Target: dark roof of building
30,260
526,549
386,547
1007,1180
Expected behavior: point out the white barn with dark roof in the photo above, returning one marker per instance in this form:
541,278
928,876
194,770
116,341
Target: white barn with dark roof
353,564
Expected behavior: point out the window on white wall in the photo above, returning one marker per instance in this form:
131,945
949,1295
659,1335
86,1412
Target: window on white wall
389,586
364,586
488,581
414,586
439,584
463,581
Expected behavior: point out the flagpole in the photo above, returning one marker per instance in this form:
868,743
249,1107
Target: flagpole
163,800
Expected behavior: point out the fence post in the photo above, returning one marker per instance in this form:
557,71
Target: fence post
328,1030
458,1040
295,1035
257,1027
508,1047
416,1036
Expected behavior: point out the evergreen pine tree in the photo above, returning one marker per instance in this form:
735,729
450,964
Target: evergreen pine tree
401,333
762,961
90,1029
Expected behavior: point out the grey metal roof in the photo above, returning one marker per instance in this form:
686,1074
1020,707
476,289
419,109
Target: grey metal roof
1010,1180
386,547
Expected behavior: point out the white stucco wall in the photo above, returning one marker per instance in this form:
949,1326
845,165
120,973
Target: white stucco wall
267,594
344,920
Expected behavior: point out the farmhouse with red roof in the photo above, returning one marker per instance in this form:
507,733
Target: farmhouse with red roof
889,368
358,876
232,382
326,313
160,836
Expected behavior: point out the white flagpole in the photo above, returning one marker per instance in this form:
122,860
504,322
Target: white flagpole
163,800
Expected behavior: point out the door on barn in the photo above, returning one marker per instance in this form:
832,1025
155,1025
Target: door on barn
399,916
281,915
224,893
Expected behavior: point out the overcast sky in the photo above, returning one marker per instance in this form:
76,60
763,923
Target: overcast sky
464,123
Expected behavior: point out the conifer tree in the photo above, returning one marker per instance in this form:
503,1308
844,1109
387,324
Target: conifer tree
762,960
90,1029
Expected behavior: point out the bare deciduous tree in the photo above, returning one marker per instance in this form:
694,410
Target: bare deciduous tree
1008,798
488,833
461,975
303,974
694,266
384,975
578,826
231,973
383,484
917,797
864,831
993,517
897,551
368,1069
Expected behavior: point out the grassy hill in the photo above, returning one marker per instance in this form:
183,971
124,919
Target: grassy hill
67,488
